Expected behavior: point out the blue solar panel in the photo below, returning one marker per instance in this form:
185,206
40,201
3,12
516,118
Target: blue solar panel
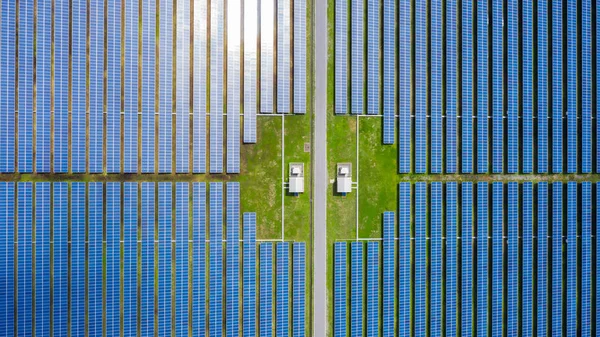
215,304
356,289
165,219
283,290
147,283
586,87
234,17
94,279
404,81
43,86
24,258
372,289
165,94
200,80
113,87
404,259
467,90
451,84
299,290
497,255
467,259
572,105
25,108
388,275
199,259
299,55
148,61
436,64
557,87
512,283
572,259
266,289
182,205
497,87
527,264
249,306
60,237
42,258
420,256
182,104
267,40
482,258
451,258
373,47
586,259
251,66
78,258
113,259
283,55
513,86
7,87
7,255
96,86
217,31
421,92
597,266
542,259
341,56
78,85
389,69
557,266
233,258
436,264
542,86
130,123
527,87
130,226
61,86
357,57
482,86
339,289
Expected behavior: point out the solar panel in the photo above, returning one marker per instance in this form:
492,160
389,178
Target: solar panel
78,258
42,258
542,258
389,69
130,226
436,264
43,86
436,72
299,290
482,86
372,289
597,266
497,255
467,258
404,80
199,259
233,258
557,266
234,17
251,67
94,260
165,219
586,87
182,200
513,86
404,259
7,255
527,87
420,256
482,257
267,40
7,87
421,92
586,258
357,57
112,297
467,89
512,279
542,86
165,94
249,290
215,304
147,290
373,47
356,289
25,108
148,61
61,87
497,87
200,80
572,106
266,289
597,91
299,55
557,87
339,289
24,258
451,84
341,56
182,104
60,278
217,25
283,290
451,258
113,87
283,56
130,122
572,258
78,85
527,264
388,275
96,86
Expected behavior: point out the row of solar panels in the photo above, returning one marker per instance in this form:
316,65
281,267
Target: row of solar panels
526,92
123,133
473,259
61,238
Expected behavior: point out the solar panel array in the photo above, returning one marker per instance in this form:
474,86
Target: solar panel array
169,219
